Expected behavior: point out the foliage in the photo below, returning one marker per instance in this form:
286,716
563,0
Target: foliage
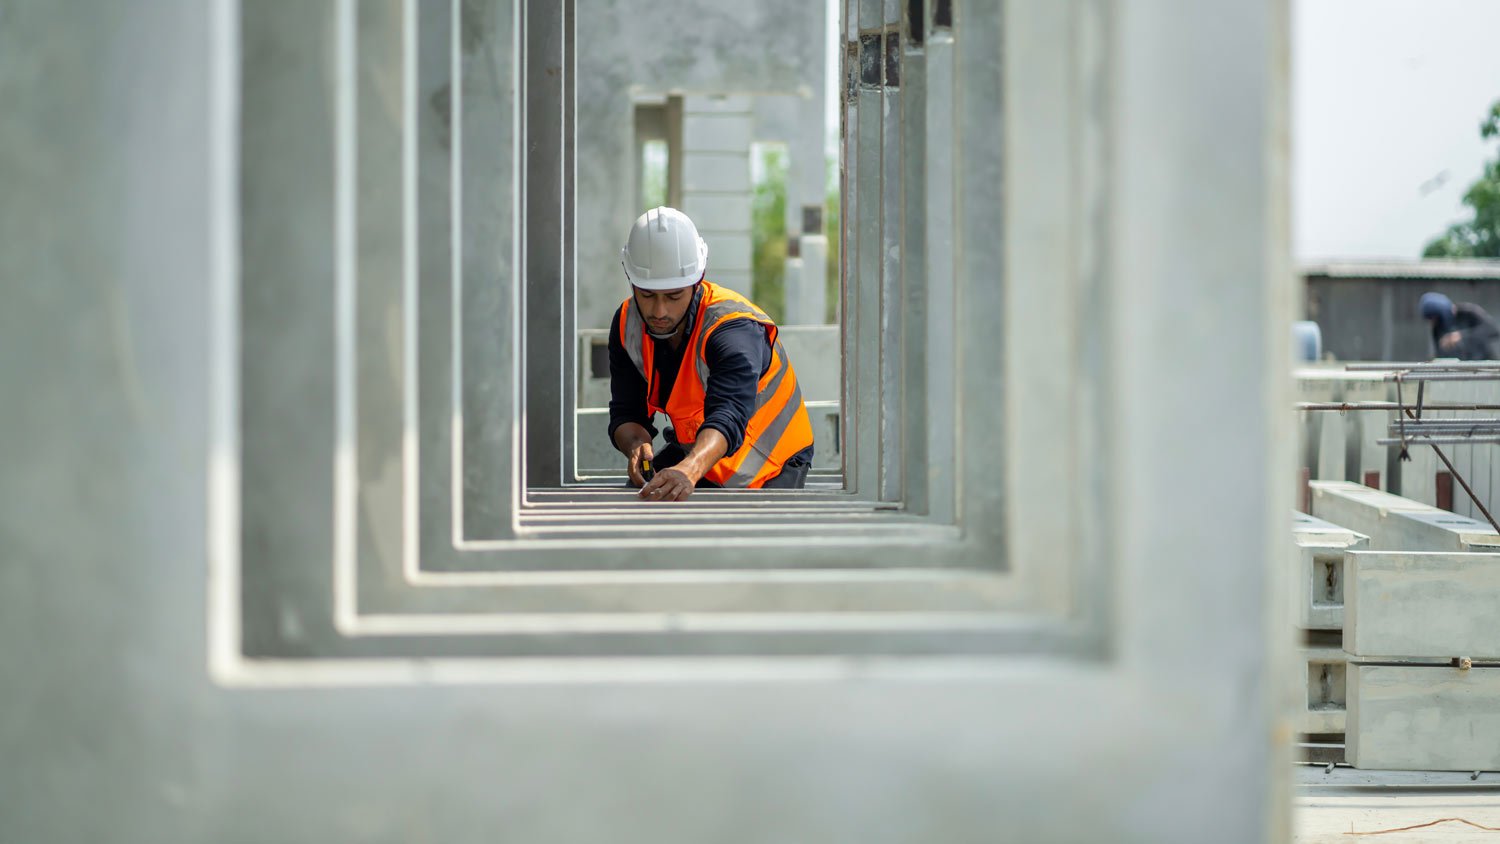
1479,237
831,228
768,233
653,174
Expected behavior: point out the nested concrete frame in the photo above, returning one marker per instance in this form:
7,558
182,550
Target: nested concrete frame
413,127
500,391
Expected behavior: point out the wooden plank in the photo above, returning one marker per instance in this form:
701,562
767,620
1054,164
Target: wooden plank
1422,605
1423,718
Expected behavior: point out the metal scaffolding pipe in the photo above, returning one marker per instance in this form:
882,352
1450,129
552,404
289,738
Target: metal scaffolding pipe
1428,366
1438,375
1441,439
1387,406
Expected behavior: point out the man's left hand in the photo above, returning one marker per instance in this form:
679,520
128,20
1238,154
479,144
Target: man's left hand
671,484
1449,341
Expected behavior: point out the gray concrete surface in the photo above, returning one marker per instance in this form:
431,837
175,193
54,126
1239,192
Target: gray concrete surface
1423,718
130,253
1395,523
768,57
1422,605
1319,580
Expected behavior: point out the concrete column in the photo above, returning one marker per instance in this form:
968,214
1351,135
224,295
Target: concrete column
716,189
806,282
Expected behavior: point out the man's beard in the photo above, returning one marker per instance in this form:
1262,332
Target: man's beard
668,334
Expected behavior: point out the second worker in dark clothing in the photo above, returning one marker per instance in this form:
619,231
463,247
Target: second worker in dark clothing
1464,331
711,361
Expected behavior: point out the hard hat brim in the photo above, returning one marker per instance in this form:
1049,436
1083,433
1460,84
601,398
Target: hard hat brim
659,284
672,283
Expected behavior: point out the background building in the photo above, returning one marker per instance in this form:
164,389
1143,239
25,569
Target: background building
707,80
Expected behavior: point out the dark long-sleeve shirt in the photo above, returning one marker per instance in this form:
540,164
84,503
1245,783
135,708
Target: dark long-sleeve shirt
1479,335
738,353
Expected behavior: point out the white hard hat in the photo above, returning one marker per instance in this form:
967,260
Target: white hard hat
664,251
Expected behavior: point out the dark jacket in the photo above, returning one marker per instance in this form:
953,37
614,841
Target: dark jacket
737,354
1479,335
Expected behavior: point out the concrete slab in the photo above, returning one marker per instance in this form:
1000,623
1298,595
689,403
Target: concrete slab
1422,605
724,172
728,254
740,281
717,104
717,132
718,212
1423,718
1394,523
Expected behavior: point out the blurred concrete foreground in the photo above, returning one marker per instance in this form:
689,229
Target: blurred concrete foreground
293,545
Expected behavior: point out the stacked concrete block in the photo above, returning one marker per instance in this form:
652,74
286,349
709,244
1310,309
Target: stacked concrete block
1424,661
1319,600
716,190
1413,680
807,282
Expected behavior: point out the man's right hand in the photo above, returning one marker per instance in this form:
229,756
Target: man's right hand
635,469
634,441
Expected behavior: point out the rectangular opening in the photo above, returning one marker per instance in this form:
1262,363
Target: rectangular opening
455,516
1325,685
653,174
893,59
942,14
916,21
762,186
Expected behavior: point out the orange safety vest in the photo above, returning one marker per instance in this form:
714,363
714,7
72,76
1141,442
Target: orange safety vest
778,426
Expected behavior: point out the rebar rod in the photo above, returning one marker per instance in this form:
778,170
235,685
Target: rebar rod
1440,439
1489,375
1453,470
1386,406
1429,365
1451,423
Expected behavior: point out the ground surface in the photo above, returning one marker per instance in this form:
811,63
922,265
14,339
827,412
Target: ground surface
1331,805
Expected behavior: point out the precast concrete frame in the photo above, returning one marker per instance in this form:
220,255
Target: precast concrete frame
433,273
179,221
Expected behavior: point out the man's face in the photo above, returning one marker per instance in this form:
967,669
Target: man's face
663,310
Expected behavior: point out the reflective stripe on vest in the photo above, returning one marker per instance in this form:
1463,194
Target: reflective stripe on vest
778,426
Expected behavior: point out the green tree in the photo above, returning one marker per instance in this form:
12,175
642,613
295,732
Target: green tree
831,228
768,233
1479,237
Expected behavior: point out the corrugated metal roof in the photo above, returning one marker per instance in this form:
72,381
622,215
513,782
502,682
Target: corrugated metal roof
1469,270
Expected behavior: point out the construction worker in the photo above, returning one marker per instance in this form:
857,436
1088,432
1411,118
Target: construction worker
1464,331
710,360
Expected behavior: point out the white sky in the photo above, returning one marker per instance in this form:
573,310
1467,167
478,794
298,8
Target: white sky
1386,101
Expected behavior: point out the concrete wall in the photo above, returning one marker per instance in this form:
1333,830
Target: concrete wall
1368,311
1342,446
768,53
